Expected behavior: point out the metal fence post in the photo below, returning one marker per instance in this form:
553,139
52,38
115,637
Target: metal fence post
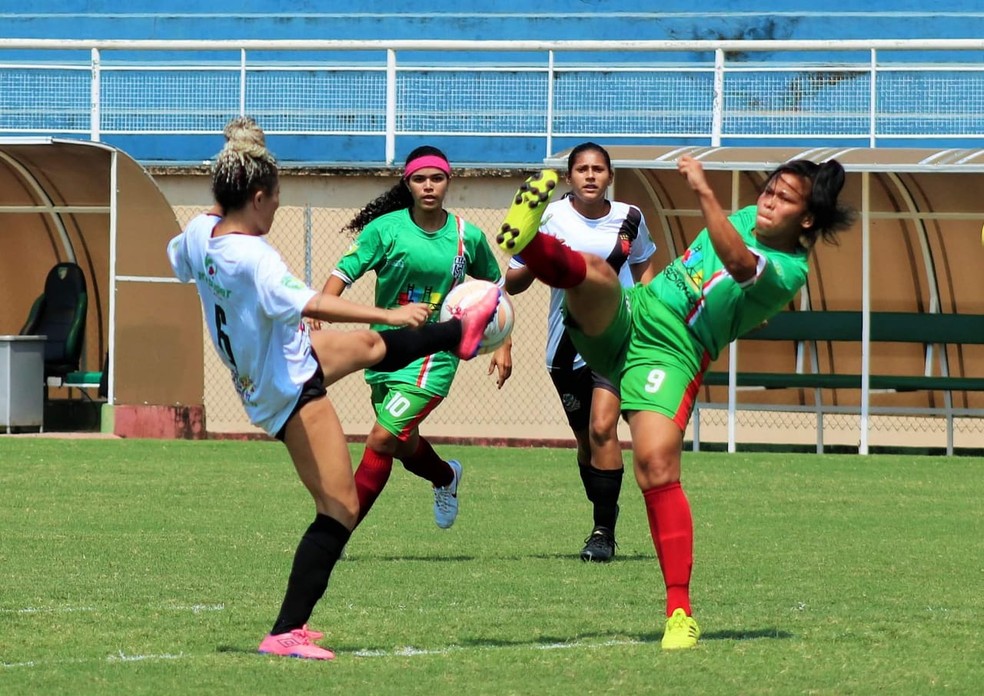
717,103
308,244
873,101
390,106
242,82
550,102
95,113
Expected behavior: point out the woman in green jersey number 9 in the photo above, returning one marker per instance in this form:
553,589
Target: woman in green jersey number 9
418,251
656,340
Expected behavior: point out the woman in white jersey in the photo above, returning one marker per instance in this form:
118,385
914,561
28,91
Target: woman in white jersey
254,307
587,221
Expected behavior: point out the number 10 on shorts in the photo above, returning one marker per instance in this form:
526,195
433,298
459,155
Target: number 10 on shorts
397,404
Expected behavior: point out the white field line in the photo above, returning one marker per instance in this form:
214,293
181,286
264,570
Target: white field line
119,657
194,608
407,651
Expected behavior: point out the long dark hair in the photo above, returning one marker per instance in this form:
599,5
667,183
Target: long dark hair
397,198
587,147
826,181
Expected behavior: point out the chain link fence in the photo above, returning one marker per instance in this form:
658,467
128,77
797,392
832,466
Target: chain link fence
526,407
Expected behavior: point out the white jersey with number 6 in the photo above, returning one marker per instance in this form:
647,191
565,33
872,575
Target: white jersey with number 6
252,307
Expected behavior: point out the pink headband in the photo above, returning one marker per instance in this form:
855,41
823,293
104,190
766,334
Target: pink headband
418,163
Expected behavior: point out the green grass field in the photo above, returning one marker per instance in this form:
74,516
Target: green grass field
149,567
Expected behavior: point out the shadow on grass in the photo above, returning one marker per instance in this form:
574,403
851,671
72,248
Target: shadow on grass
570,556
753,634
575,556
581,640
426,559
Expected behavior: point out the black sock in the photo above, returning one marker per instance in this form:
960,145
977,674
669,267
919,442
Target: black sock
403,346
603,488
316,555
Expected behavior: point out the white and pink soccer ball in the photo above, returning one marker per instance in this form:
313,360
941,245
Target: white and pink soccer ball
471,291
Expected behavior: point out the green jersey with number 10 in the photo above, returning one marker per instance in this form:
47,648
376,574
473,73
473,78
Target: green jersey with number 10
413,265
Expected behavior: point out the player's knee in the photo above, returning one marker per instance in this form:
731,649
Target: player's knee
603,430
375,348
598,268
382,441
657,468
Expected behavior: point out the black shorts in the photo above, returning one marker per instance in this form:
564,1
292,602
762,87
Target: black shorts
313,389
574,388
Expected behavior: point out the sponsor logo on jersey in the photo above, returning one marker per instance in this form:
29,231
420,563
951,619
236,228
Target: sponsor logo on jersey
691,261
208,276
292,283
427,294
353,247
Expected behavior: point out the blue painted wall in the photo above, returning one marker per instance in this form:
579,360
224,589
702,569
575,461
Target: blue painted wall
586,19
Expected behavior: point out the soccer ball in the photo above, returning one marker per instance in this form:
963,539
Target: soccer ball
501,325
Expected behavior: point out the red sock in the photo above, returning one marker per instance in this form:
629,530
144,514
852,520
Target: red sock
370,479
426,464
672,529
553,262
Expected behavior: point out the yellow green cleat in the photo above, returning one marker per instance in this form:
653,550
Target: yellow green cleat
681,631
523,219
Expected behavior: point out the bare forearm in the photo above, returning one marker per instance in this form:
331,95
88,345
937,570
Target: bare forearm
518,280
325,307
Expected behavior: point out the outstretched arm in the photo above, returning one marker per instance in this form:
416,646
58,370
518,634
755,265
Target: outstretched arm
325,307
728,244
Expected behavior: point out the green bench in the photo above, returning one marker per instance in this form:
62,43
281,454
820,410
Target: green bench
78,380
885,327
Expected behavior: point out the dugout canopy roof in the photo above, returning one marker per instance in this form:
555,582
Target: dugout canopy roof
916,247
81,201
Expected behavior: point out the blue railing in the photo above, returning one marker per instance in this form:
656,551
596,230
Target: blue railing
491,102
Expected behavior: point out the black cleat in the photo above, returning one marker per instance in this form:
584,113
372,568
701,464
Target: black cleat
600,546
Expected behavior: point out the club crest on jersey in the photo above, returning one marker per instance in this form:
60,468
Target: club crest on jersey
570,402
458,267
245,387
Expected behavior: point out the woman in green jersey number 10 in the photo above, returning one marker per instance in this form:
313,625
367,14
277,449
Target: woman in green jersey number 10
656,340
418,251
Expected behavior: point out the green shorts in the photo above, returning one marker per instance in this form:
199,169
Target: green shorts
650,354
400,408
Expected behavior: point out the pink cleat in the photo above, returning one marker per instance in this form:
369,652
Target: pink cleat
474,320
296,643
